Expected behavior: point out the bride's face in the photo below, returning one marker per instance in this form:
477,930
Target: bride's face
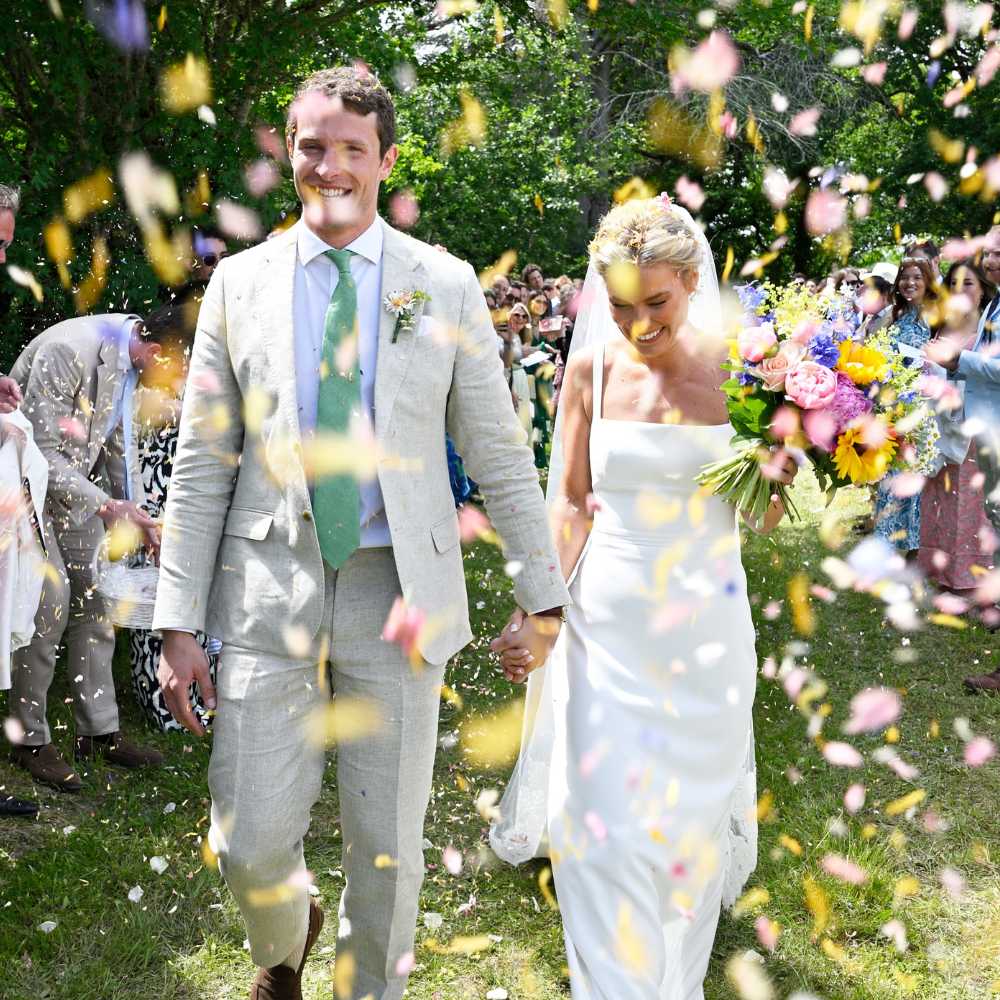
650,304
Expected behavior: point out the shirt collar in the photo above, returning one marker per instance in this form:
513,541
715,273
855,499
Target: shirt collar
367,245
124,336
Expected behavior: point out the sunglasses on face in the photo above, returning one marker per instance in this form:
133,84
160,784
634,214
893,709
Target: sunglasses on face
4,244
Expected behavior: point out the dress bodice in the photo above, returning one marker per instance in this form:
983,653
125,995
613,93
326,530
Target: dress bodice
643,474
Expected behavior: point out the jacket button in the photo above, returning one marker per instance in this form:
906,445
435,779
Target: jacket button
306,516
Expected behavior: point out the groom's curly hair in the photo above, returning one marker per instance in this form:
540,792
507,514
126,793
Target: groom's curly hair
360,92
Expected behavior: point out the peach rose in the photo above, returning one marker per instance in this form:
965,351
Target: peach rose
754,342
773,371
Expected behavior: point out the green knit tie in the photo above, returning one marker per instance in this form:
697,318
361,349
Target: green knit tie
337,498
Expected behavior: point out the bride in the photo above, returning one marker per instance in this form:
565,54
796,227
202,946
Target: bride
637,756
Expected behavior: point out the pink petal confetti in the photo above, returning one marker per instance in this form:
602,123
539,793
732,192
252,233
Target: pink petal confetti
854,799
596,826
772,610
72,428
826,211
988,66
777,187
804,123
205,380
729,124
978,751
842,754
452,860
769,668
937,186
953,882
271,142
873,709
261,176
907,22
472,524
874,74
404,210
593,504
403,626
689,193
238,221
710,66
896,932
847,871
405,964
892,760
949,604
821,428
825,594
767,932
785,422
795,681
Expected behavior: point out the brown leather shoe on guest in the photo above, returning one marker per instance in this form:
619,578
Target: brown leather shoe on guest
115,749
988,683
45,765
281,982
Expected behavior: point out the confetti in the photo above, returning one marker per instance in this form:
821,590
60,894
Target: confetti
842,755
873,709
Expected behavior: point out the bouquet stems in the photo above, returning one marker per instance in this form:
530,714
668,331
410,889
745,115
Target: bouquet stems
739,480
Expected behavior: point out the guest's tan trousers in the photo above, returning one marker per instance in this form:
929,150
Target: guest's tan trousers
70,608
267,768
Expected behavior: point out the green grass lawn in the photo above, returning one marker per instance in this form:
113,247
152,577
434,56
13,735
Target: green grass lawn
76,864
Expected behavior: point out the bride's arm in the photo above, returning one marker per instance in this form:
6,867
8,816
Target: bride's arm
570,518
784,471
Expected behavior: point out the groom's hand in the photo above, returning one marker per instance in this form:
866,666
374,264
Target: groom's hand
525,643
182,663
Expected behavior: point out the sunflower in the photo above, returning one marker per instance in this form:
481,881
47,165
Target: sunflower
862,365
860,461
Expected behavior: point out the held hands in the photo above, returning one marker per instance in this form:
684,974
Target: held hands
781,467
10,394
944,352
525,643
126,510
182,663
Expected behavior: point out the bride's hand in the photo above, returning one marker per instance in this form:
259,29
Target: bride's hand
525,644
781,467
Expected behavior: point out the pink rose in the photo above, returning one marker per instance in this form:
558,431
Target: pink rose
773,371
811,386
754,342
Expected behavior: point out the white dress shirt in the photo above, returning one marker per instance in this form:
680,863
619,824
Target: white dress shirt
122,409
316,277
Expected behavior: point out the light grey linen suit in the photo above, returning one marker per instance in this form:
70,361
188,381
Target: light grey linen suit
69,377
241,560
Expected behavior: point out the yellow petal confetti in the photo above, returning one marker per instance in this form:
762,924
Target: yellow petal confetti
27,280
186,85
803,617
344,972
123,539
501,268
749,979
467,130
499,26
383,861
901,805
832,951
633,189
751,900
558,14
765,807
88,195
728,267
91,287
344,720
59,247
257,406
161,20
818,904
544,887
629,948
906,887
790,844
493,740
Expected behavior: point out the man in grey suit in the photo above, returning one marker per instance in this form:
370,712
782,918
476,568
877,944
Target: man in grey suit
10,202
310,493
77,379
979,368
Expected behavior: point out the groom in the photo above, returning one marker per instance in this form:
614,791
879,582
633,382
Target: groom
310,491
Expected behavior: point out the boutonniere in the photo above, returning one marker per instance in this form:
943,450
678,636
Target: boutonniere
403,305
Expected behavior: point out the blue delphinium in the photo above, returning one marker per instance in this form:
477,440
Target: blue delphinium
751,297
824,349
745,377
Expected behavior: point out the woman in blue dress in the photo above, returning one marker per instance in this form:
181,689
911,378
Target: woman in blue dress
897,519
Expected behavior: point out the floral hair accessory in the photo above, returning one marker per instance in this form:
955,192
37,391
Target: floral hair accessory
666,201
403,305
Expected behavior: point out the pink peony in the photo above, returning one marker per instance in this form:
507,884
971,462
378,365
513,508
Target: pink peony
773,371
811,386
754,342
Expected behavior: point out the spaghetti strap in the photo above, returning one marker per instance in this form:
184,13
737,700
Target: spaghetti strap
598,382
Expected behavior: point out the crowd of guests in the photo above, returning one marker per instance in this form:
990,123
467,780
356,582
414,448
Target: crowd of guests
88,430
945,319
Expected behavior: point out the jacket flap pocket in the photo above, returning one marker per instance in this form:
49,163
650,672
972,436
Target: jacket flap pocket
244,523
445,533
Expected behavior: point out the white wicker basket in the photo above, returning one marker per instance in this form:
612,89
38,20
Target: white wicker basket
128,591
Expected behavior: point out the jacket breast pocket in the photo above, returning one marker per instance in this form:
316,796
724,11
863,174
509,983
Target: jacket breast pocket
245,523
445,533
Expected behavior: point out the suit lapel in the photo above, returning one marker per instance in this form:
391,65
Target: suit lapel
107,382
400,272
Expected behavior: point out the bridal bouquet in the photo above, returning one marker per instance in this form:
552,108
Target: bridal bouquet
801,381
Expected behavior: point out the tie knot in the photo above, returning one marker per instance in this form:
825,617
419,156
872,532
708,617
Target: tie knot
341,260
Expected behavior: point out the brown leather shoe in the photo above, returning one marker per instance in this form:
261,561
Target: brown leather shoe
45,765
115,749
281,982
989,683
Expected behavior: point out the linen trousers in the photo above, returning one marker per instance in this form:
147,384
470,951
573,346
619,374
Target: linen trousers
69,607
267,767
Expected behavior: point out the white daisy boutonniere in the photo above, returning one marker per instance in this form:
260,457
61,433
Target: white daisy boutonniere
403,305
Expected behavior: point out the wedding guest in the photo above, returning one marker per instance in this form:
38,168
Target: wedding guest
539,307
929,251
501,286
875,304
519,322
532,277
10,202
897,519
78,379
952,514
847,281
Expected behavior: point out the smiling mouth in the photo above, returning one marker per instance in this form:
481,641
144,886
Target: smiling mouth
648,338
330,193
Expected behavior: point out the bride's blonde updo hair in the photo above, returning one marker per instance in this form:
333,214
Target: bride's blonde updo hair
641,232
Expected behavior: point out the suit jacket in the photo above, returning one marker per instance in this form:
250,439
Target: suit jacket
979,367
240,557
69,376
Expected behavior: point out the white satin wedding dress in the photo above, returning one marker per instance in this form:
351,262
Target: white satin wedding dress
644,774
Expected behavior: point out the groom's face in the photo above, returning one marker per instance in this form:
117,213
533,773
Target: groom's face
337,166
